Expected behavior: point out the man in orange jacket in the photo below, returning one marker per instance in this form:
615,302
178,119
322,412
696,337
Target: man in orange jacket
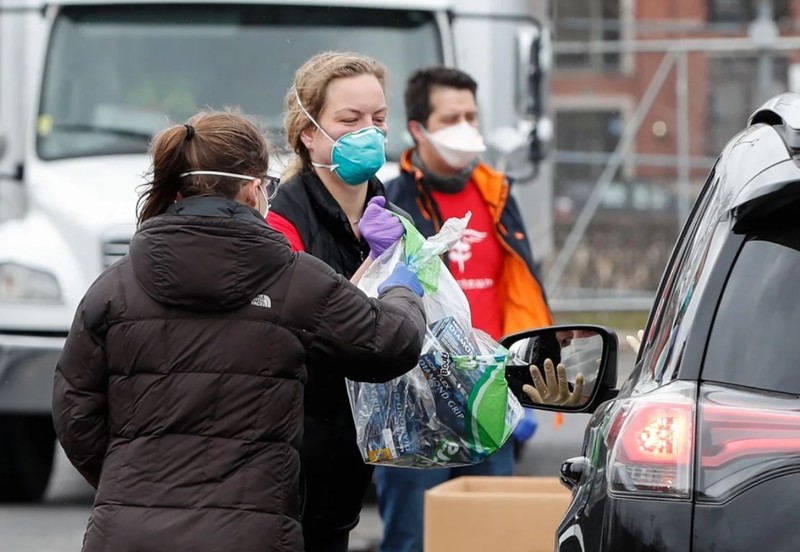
442,177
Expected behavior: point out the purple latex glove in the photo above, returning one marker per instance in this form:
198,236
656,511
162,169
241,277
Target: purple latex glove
526,427
379,227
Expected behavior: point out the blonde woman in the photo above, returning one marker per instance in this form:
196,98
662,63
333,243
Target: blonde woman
336,124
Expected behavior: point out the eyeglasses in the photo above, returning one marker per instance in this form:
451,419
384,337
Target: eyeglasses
269,184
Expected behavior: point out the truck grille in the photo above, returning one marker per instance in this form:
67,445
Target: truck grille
114,250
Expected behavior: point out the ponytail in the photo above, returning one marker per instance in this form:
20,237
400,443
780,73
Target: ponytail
169,161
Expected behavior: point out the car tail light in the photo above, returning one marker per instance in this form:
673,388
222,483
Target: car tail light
663,444
743,436
651,443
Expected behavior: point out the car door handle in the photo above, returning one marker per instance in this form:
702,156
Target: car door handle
572,470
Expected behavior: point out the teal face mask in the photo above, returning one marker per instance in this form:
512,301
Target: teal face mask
356,156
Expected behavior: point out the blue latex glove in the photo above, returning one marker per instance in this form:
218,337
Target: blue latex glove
402,276
380,228
526,427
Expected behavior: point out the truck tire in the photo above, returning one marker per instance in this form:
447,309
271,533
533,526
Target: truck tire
27,447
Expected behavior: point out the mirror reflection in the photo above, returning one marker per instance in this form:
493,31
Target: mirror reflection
555,367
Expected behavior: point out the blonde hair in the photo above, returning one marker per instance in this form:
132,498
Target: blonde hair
311,84
227,141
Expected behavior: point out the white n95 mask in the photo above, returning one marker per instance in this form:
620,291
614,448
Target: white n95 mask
458,145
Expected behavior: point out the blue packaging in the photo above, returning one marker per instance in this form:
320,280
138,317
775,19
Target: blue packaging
450,383
423,423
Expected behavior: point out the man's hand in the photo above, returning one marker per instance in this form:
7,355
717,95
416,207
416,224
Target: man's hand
554,388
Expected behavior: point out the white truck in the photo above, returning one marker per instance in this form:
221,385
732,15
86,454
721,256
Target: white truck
84,85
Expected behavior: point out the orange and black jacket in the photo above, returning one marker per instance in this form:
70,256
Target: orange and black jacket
520,288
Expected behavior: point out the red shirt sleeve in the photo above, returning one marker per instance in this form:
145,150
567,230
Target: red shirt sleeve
286,228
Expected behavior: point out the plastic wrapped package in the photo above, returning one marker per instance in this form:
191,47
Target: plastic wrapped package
454,408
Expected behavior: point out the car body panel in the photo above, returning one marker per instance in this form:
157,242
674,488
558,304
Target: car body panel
763,518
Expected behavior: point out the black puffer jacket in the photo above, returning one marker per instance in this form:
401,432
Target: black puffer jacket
179,392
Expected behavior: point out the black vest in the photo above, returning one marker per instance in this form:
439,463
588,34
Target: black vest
326,234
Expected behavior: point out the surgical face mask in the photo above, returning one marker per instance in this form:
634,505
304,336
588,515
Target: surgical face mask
267,188
458,145
263,209
356,156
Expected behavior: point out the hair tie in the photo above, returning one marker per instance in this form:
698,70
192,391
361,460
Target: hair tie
189,132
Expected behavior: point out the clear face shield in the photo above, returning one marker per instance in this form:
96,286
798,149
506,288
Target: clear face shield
583,356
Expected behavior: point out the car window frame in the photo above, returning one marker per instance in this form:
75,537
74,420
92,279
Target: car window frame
692,252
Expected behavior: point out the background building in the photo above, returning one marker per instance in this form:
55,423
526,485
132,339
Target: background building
729,57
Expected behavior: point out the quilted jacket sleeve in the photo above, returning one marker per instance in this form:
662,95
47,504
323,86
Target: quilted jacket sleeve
372,340
79,391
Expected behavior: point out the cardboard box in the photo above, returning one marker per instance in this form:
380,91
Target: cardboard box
495,514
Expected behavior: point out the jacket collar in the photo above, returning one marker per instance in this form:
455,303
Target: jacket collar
207,254
492,185
215,206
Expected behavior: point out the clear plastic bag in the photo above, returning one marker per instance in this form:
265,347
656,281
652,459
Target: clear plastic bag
454,408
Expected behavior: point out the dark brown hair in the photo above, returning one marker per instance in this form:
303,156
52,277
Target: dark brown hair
311,83
421,84
226,141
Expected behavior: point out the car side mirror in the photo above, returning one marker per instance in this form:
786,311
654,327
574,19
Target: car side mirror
588,378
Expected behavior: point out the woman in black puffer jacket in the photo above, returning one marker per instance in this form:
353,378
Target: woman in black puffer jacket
179,392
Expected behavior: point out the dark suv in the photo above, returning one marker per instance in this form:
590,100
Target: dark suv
699,450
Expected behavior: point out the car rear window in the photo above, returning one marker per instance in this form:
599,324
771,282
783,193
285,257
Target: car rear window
755,339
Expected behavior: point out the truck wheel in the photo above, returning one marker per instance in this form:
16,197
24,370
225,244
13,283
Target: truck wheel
27,446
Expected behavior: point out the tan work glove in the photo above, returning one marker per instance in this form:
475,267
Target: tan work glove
554,388
636,342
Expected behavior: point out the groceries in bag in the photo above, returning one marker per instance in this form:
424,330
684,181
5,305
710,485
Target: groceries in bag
455,407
